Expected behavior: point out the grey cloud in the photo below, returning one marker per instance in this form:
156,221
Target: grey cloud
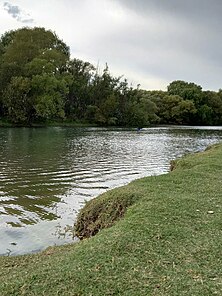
197,9
13,10
146,40
183,42
26,21
17,13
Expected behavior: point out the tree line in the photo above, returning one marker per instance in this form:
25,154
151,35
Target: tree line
39,81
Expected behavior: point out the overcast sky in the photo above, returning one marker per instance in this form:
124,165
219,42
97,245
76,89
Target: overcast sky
150,42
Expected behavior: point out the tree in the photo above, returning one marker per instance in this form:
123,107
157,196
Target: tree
186,90
142,113
79,76
36,58
211,111
23,45
102,86
175,110
17,100
94,115
109,110
205,115
39,66
48,96
183,112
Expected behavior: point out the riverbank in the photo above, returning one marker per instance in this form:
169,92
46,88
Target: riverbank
168,242
58,123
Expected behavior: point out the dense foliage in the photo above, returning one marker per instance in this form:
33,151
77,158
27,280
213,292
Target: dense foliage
39,81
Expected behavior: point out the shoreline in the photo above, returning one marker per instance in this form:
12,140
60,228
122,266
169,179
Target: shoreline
68,123
167,242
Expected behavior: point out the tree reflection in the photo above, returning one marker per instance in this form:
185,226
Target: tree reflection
30,187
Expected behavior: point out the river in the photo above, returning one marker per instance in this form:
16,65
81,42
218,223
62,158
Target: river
47,174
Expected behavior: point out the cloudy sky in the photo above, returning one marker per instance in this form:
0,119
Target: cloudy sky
150,42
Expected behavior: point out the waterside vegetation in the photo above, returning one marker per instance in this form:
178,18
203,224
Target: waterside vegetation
40,83
167,241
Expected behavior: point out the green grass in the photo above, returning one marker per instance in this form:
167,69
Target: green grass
168,242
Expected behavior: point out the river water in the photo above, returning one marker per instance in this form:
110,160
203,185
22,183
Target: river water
47,174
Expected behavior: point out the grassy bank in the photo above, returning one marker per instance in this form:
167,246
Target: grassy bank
168,242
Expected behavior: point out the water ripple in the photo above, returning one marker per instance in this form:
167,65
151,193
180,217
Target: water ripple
46,175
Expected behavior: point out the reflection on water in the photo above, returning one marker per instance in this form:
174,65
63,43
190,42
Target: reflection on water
46,174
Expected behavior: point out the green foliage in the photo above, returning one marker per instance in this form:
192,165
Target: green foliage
94,114
110,108
176,110
211,110
23,45
140,114
60,87
205,114
48,93
38,66
7,38
17,100
79,77
187,91
183,111
31,86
